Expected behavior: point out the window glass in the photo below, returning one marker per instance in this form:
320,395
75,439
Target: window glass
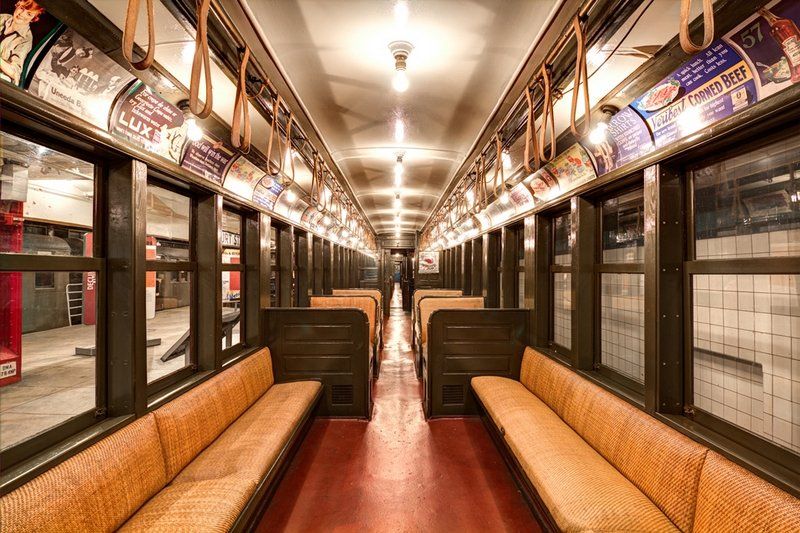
747,352
623,228
748,206
622,324
168,322
275,275
47,351
232,290
168,225
46,200
562,309
562,240
520,267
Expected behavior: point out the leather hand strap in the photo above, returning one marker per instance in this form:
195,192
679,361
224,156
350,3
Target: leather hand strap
129,34
531,138
580,76
708,27
548,119
287,152
241,109
498,165
276,107
201,61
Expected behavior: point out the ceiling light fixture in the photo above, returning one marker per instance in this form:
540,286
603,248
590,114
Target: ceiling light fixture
397,203
398,171
400,51
598,134
290,195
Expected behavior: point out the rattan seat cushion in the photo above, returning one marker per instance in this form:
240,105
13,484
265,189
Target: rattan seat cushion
250,446
582,490
206,506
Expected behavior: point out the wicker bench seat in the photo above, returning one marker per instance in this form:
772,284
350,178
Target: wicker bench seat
194,464
595,462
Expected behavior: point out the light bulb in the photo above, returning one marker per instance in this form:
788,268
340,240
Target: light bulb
345,234
193,131
690,120
291,196
326,220
398,181
397,203
504,198
398,169
598,133
400,81
506,157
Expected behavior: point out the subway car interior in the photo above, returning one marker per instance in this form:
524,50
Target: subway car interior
400,265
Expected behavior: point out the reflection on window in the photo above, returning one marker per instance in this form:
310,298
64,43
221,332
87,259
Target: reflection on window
520,267
562,242
749,205
168,322
232,277
168,223
623,228
562,309
275,275
622,324
747,352
46,200
47,351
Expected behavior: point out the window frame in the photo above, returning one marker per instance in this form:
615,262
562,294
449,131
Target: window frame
159,385
233,350
26,449
767,450
562,352
601,267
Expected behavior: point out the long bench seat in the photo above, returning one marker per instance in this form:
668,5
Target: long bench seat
597,463
194,464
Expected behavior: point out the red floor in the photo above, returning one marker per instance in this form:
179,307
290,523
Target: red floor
398,472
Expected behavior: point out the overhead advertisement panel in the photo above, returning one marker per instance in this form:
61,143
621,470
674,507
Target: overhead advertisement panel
243,177
208,157
267,192
146,120
78,78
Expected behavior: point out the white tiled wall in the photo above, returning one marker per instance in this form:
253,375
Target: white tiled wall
622,324
767,244
562,309
747,352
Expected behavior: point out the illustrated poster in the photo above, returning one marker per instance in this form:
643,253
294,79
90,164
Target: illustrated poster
243,177
78,78
26,30
769,42
429,262
627,139
148,121
711,86
267,192
208,157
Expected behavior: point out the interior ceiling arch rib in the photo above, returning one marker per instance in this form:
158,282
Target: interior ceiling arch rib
336,54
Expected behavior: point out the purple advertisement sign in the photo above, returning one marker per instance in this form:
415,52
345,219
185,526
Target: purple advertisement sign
146,120
713,85
769,42
627,139
208,157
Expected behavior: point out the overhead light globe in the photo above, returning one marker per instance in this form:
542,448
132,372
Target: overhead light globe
400,81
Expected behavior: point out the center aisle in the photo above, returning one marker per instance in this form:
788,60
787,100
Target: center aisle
398,472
